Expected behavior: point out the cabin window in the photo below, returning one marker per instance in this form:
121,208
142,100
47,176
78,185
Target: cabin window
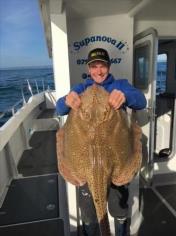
161,73
141,67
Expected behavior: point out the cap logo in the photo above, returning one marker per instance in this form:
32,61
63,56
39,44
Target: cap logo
98,54
94,54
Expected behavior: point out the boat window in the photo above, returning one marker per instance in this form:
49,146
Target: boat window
161,73
141,67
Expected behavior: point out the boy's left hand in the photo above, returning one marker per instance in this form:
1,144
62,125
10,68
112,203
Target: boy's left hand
116,99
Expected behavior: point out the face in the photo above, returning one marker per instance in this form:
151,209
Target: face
98,71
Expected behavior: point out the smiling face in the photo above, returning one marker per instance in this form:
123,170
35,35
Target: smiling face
98,71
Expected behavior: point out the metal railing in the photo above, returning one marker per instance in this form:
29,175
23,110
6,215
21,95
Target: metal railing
10,111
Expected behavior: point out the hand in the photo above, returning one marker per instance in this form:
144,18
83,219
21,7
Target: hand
116,99
73,100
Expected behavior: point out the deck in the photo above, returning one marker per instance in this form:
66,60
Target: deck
31,206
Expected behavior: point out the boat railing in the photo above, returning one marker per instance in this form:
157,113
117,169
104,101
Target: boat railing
10,111
14,108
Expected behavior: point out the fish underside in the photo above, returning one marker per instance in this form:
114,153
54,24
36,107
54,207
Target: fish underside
98,145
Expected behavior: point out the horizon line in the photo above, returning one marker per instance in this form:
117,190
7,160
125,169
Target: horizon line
25,67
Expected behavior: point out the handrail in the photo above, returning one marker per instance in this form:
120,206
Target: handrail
13,109
15,121
53,99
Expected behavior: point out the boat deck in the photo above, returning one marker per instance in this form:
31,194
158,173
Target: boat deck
32,203
158,207
41,158
47,113
31,206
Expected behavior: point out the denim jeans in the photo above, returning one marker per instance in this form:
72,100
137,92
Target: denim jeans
117,204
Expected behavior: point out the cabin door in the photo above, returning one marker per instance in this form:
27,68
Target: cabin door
145,60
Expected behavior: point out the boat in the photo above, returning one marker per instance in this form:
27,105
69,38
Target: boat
140,36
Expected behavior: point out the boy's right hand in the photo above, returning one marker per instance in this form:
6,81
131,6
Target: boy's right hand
73,100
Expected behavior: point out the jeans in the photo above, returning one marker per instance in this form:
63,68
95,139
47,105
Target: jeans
117,204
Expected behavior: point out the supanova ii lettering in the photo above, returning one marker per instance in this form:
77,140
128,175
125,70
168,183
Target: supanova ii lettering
97,38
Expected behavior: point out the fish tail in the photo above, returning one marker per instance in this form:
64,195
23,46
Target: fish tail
104,226
100,203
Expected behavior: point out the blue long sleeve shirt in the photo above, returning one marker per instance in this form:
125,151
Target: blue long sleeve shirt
134,97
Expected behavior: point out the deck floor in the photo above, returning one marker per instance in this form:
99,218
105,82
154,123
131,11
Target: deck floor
169,193
41,161
158,220
41,158
47,113
31,206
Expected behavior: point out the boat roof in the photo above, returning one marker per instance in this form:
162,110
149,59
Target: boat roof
141,10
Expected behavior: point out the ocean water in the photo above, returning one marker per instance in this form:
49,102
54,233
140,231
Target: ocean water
14,81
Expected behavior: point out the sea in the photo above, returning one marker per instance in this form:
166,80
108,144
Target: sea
17,84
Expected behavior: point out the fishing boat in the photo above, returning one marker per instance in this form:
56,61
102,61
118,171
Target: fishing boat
140,36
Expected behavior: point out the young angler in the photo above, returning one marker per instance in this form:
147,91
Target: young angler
121,94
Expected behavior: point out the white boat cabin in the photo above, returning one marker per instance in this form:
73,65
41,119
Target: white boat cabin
140,36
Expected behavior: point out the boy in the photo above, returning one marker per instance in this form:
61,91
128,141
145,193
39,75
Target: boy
121,94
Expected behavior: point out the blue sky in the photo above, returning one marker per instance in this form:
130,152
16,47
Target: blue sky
22,41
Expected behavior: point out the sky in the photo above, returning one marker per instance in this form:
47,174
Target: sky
22,40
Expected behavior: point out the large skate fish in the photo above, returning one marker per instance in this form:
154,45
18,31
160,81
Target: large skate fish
98,145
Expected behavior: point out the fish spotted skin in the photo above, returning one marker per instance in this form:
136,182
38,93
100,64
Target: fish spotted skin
98,145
